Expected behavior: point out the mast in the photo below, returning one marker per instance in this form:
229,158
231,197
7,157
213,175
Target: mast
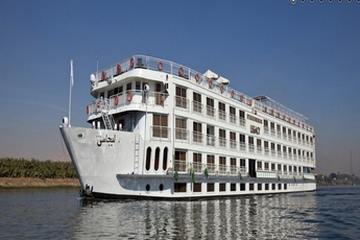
71,85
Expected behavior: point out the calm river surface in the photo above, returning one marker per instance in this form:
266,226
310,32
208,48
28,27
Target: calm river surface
329,213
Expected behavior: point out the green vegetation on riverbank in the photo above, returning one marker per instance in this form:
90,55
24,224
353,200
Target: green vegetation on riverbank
16,168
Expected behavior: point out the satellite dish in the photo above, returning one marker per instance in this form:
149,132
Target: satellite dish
92,78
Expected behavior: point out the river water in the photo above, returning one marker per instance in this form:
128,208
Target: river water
59,213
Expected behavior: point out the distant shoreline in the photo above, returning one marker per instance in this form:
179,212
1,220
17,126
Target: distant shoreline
29,182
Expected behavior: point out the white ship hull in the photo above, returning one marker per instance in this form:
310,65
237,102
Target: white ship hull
107,171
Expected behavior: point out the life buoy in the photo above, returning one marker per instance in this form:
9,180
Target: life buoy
197,78
160,66
210,82
131,63
222,88
116,100
181,72
103,76
118,69
129,96
232,93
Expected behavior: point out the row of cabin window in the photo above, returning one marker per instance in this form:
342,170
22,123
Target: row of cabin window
138,85
210,187
288,131
156,159
210,130
181,92
210,159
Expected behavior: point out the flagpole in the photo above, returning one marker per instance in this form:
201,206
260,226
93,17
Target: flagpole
71,84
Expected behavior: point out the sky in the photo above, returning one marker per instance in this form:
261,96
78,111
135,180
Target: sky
305,55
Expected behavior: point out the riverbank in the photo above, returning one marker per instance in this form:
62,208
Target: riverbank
21,182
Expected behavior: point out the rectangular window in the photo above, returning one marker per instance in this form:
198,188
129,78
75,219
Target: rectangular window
242,138
273,186
210,107
181,131
222,137
179,187
128,86
279,186
180,98
242,187
273,167
138,86
222,187
233,139
197,187
210,160
210,187
197,162
180,161
233,187
160,125
222,164
242,163
197,132
266,167
285,186
222,113
259,186
266,186
259,165
197,107
251,186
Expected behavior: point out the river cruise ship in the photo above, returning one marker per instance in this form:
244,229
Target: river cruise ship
158,129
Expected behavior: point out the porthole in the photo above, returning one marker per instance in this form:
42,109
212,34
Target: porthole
147,187
161,187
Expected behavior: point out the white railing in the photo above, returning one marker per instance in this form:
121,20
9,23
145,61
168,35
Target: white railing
210,111
128,98
222,115
210,140
197,137
181,134
181,102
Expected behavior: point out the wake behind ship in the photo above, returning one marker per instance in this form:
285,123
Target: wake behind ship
162,130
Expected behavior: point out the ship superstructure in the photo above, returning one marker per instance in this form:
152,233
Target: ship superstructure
162,130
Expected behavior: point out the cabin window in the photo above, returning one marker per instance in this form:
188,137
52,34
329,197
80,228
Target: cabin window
180,161
232,111
210,187
157,158
197,187
160,125
273,167
197,162
285,186
128,86
197,132
266,166
273,186
259,187
266,186
266,124
197,107
210,160
222,114
165,158
279,186
242,163
110,93
242,187
180,131
222,164
222,137
233,187
272,126
210,107
137,86
222,187
251,186
259,165
179,187
148,159
242,138
210,135
180,98
279,167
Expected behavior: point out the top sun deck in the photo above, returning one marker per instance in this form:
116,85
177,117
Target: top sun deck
264,104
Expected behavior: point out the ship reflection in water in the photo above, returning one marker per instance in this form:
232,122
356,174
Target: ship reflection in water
269,216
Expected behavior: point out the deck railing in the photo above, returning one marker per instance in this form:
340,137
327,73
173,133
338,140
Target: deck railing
156,64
